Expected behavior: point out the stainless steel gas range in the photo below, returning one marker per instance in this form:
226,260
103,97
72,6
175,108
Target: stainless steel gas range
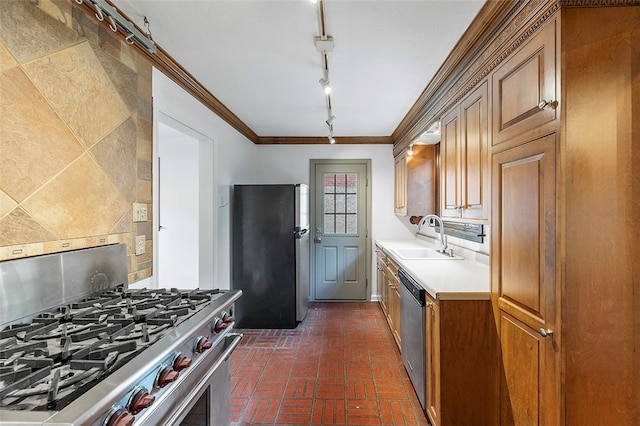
77,347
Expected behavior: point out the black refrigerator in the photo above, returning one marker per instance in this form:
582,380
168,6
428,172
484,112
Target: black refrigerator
270,254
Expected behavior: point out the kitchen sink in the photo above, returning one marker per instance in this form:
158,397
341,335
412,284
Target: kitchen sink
422,253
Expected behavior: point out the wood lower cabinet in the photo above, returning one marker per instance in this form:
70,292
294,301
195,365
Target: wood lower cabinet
465,171
381,267
393,285
389,284
462,369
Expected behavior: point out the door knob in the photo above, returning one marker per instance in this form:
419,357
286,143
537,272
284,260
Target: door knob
547,104
546,332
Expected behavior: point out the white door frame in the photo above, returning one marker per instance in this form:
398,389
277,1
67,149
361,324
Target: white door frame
313,225
207,200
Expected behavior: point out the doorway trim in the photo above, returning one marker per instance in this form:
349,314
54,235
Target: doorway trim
207,259
312,196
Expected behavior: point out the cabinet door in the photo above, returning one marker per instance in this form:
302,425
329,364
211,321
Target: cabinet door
380,265
433,361
396,313
523,282
449,150
400,187
522,83
474,178
464,150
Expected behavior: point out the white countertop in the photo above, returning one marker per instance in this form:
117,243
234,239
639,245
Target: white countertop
444,279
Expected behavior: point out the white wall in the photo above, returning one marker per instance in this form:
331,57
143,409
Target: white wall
291,164
233,162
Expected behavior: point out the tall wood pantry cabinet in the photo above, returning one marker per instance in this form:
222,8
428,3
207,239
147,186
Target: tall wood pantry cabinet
566,185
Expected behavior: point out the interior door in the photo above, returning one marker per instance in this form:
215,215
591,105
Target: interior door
340,231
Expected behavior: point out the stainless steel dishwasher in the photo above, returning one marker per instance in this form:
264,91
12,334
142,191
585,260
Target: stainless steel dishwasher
412,333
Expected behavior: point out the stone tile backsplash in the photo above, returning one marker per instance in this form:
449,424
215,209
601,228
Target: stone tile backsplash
75,134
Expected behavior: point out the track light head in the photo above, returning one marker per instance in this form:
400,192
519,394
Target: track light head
410,150
330,120
332,140
324,82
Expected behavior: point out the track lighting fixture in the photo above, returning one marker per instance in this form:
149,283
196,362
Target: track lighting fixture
330,120
324,82
332,140
410,150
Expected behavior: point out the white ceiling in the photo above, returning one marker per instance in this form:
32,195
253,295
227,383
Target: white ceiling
258,57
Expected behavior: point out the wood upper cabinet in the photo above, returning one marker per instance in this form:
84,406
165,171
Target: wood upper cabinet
525,89
523,279
462,363
400,187
415,177
465,174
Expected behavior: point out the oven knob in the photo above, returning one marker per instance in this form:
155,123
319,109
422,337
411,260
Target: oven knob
140,400
181,362
120,417
202,344
165,376
227,318
219,325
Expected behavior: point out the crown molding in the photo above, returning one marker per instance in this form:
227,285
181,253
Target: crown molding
320,140
598,3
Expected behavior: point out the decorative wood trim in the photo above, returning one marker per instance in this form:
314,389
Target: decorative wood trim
501,39
172,69
491,14
598,3
480,50
319,140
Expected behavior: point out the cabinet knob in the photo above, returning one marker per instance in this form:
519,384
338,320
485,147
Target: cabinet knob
547,104
429,304
546,332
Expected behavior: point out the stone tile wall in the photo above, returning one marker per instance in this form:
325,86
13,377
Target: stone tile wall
75,134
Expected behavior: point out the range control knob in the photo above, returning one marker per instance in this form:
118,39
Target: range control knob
120,417
202,344
165,376
227,318
180,362
219,325
140,400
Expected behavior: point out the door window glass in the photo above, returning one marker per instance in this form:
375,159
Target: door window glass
340,203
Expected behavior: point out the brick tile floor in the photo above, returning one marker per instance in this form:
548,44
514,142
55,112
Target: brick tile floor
340,366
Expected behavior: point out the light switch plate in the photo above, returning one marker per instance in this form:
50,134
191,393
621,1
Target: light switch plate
140,241
139,212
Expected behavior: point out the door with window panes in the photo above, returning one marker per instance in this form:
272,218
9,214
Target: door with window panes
340,232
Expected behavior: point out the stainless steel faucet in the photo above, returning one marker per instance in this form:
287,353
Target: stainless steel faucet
443,238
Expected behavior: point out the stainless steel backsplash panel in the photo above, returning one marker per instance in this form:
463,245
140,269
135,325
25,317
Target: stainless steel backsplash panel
34,284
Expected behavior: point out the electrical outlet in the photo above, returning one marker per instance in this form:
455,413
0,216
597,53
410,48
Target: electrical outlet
140,241
139,212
